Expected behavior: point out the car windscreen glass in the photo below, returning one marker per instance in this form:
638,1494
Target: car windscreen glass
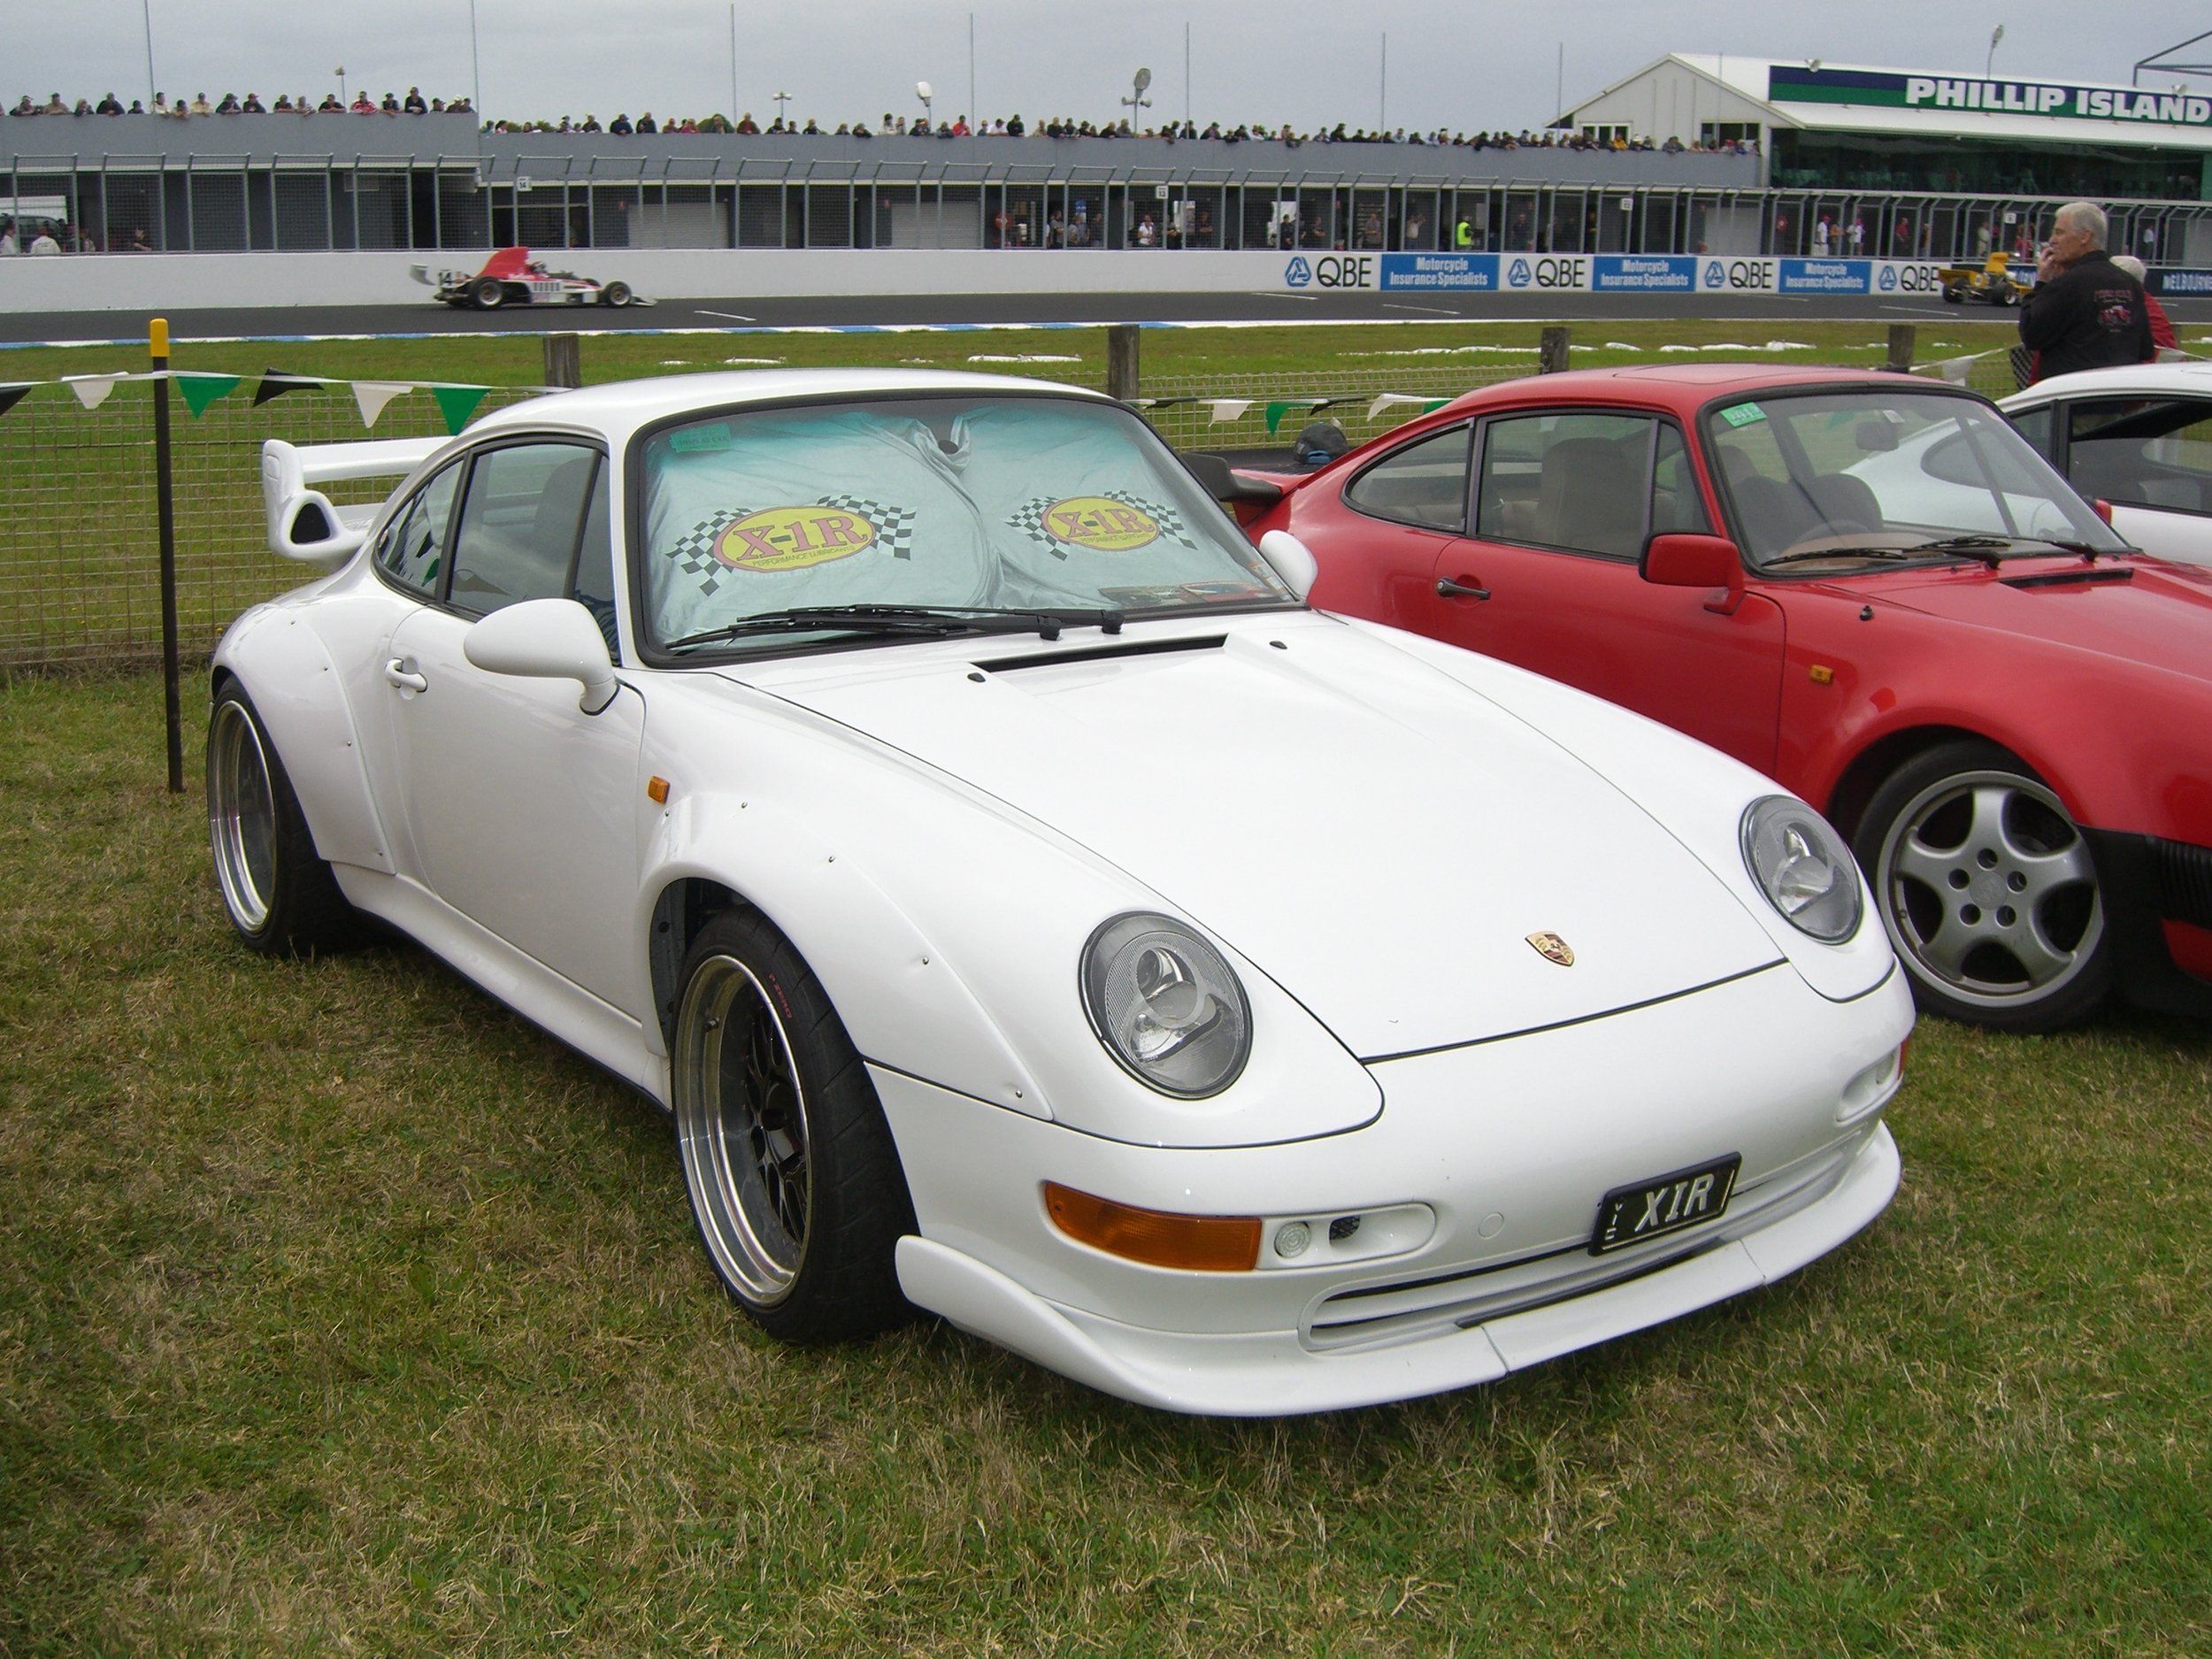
1884,473
1016,503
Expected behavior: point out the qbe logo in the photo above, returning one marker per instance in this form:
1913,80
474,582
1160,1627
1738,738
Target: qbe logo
1756,276
1919,278
1887,281
1715,277
1549,274
1297,274
1344,270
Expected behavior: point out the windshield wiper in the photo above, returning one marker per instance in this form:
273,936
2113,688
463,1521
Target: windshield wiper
1991,549
1814,555
936,620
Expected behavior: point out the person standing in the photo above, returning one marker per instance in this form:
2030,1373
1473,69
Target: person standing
2162,325
2083,312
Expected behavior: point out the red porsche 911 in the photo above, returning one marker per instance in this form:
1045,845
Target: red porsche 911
1871,588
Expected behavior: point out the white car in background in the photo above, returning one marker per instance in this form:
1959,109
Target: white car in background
2138,438
1027,908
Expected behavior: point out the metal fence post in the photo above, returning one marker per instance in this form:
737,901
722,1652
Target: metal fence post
1121,361
164,509
1552,351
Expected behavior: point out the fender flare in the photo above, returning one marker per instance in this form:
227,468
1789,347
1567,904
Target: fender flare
300,695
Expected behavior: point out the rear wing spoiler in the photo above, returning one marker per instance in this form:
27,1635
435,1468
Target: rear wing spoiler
303,522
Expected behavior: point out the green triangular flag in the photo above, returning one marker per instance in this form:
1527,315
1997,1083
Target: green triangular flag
200,390
1276,411
10,395
457,403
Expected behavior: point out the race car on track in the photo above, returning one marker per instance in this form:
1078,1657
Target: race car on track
1028,909
1992,281
511,277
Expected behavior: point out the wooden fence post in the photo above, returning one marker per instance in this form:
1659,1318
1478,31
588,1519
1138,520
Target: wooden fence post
1900,343
564,361
1552,351
1121,361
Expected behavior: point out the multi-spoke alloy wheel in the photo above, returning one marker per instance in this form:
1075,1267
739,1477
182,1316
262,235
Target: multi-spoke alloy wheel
1988,888
278,893
791,1173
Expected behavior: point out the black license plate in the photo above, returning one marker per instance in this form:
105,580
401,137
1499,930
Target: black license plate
1664,1205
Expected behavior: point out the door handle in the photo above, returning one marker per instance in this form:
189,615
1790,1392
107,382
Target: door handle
400,673
1447,588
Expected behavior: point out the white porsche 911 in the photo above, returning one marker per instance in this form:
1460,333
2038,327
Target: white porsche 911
1028,910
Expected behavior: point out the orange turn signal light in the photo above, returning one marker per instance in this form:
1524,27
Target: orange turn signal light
1202,1244
657,790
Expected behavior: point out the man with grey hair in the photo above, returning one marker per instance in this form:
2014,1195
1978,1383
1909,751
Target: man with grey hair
2083,312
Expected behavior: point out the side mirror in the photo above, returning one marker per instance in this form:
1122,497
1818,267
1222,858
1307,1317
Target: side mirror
1291,559
545,638
1696,561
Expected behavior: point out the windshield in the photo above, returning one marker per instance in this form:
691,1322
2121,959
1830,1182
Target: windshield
1882,472
953,503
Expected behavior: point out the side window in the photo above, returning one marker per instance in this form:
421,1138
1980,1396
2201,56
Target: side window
1424,483
410,549
2037,425
1582,482
1676,507
2148,452
521,525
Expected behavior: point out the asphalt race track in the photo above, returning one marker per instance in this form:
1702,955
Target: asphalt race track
428,316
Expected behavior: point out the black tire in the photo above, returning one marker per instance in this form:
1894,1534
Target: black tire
488,293
615,294
1953,296
277,890
1988,889
794,1179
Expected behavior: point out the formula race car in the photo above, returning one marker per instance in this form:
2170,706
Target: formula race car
1991,280
511,277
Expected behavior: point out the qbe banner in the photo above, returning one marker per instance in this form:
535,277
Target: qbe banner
1441,273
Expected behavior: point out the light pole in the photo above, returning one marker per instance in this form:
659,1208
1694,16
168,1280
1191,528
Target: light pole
341,72
149,8
922,91
779,100
1136,100
476,69
1995,35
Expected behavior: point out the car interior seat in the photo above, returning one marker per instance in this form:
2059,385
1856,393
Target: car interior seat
1590,496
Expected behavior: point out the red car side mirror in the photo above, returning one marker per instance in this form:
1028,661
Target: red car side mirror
1696,561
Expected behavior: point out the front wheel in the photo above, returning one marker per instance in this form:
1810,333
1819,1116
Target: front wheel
1989,890
279,895
488,293
794,1179
615,294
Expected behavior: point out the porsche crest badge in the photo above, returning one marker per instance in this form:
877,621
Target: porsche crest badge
1552,948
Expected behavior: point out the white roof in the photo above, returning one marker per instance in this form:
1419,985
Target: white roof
2133,379
1748,79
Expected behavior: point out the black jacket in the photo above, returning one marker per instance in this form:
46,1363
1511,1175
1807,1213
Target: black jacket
2089,316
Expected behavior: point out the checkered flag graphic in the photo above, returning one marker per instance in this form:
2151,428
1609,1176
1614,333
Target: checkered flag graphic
694,555
1029,518
895,525
1164,516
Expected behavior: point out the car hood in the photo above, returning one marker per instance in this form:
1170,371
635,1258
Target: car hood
2161,614
1374,836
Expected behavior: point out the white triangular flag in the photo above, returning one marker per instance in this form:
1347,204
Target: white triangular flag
1956,369
1391,400
1228,408
92,390
372,395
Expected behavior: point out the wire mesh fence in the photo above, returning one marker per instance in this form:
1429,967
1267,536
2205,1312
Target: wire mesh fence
79,555
80,558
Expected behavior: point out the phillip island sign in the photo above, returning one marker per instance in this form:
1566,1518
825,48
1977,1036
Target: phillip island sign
1787,84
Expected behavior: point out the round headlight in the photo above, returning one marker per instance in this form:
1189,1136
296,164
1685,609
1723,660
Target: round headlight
1802,866
1166,1005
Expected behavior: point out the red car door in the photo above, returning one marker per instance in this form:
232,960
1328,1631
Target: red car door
1547,578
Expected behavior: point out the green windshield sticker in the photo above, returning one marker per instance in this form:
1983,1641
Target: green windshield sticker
694,440
1743,414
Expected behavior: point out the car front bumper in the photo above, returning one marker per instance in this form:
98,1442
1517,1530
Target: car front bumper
2157,898
1510,1145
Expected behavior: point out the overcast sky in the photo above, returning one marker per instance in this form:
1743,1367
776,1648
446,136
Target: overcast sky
1461,64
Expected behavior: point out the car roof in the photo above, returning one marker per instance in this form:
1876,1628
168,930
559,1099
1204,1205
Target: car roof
1684,386
620,407
2137,379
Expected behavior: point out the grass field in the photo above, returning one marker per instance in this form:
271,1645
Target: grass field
340,1311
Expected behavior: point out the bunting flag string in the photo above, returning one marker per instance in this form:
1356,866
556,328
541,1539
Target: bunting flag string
10,395
1398,400
370,396
457,403
1228,408
200,389
92,390
276,382
1277,410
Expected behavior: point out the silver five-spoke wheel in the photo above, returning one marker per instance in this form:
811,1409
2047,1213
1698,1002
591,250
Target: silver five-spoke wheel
1989,889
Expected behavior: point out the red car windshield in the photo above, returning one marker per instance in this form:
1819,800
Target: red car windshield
1882,472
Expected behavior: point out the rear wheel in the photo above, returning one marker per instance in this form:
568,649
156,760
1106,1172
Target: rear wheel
1989,890
794,1180
488,293
279,895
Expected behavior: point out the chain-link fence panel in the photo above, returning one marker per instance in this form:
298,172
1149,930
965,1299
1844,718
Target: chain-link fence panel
1261,416
80,561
